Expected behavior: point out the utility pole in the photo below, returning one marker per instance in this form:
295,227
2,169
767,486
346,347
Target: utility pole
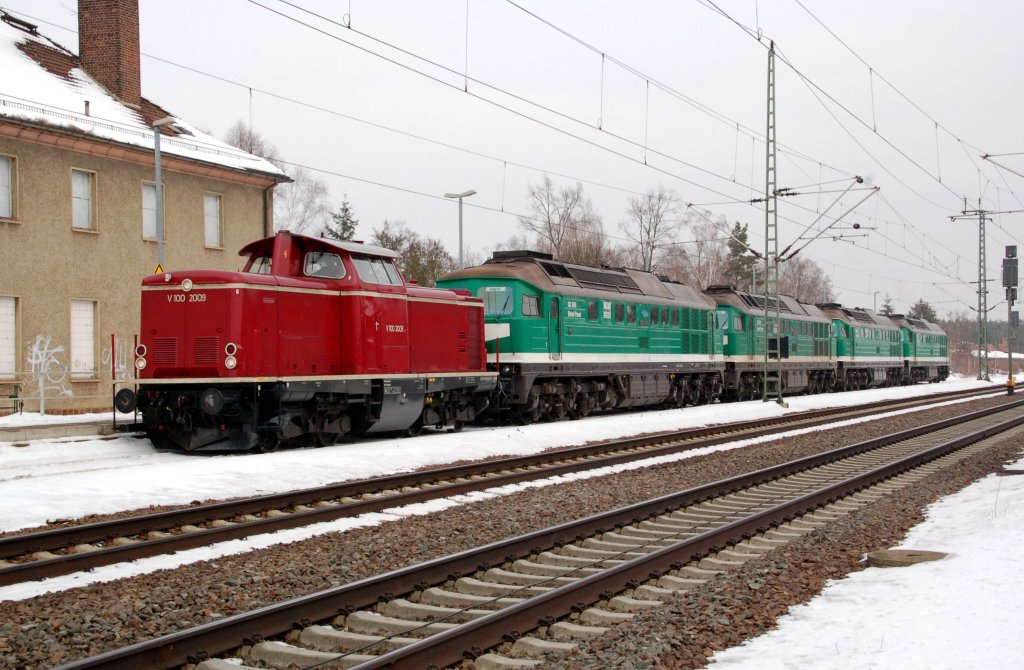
981,215
772,388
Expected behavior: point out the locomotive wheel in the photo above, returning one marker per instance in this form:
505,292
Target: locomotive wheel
268,443
415,429
322,438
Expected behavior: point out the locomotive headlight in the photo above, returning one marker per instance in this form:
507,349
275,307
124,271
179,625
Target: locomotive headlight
506,369
140,363
141,351
230,348
230,362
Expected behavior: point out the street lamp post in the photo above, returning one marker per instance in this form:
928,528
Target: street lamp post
167,120
460,196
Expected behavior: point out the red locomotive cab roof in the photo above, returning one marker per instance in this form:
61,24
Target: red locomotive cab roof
285,255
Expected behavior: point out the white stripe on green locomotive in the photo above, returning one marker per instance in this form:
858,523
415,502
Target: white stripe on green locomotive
805,342
568,339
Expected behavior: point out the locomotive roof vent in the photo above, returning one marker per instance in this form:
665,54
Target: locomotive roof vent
720,288
897,316
828,305
520,253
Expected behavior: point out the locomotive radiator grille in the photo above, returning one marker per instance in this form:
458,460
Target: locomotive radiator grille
165,351
205,349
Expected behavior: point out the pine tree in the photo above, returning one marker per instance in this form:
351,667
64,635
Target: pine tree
343,226
922,310
741,261
887,306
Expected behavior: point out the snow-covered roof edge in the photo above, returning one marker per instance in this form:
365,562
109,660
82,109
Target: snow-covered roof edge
44,85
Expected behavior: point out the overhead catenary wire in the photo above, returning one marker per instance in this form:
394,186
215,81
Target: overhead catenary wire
738,201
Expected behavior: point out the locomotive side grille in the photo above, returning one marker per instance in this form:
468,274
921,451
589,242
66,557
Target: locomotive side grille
205,349
165,351
462,342
476,355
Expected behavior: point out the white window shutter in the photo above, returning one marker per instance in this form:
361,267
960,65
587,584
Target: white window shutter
8,332
83,339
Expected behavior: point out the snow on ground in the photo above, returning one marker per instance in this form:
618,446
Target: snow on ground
71,479
964,611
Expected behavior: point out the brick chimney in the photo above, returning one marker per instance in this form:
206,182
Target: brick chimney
108,46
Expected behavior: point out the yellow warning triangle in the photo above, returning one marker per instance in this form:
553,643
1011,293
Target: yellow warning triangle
159,269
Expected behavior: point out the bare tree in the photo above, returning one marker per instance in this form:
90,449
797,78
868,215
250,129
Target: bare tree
300,206
653,224
423,259
563,220
247,139
804,279
704,260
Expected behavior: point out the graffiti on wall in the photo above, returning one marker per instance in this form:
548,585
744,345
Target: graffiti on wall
47,370
123,359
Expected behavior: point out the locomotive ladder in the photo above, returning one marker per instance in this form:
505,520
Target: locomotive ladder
772,389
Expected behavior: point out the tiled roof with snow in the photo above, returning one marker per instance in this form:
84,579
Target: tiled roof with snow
42,83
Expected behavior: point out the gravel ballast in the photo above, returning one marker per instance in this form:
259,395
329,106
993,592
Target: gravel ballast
59,627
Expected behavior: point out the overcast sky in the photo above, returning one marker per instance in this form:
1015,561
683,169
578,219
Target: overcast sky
536,97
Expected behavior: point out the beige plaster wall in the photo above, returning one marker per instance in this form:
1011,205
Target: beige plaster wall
45,264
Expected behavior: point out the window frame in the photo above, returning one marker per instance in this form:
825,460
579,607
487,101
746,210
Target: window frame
307,260
219,198
151,184
534,302
93,226
83,375
12,193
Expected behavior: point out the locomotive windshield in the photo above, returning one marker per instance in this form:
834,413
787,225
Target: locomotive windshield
260,265
322,264
497,300
376,270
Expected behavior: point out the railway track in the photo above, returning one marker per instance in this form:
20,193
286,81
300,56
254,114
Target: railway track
506,603
60,551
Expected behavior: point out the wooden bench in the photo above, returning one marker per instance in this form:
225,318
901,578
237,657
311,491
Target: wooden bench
10,397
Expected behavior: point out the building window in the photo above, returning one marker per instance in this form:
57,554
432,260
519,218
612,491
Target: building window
8,335
149,211
83,339
83,191
211,217
6,187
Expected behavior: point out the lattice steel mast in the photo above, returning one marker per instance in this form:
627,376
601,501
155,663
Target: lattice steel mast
772,388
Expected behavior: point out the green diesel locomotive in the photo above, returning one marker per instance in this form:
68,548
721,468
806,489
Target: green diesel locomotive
568,339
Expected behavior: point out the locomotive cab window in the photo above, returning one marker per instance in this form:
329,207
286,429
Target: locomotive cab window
376,270
531,305
322,264
737,323
260,265
721,319
497,300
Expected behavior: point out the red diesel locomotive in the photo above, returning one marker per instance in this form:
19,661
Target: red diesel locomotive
313,339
